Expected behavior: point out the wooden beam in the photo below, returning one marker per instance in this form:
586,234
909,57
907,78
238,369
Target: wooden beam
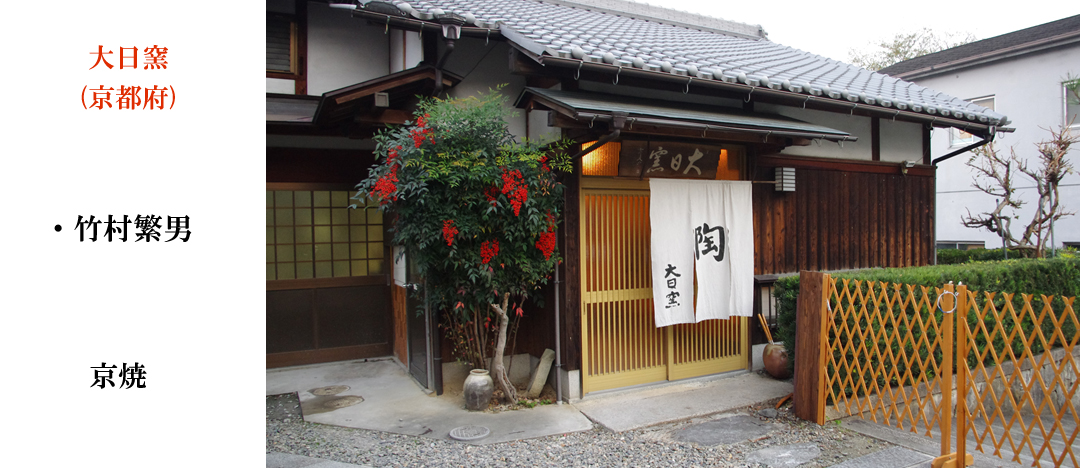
313,356
926,146
875,138
382,116
300,85
521,64
847,165
370,90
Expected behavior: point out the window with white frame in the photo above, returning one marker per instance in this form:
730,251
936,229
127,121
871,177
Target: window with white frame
1072,103
959,137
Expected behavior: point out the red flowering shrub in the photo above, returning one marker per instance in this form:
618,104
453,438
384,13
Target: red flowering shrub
464,199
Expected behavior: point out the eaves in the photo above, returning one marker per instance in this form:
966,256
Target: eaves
1061,40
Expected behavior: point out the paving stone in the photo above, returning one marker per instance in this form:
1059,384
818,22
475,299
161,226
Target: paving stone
785,456
892,457
725,431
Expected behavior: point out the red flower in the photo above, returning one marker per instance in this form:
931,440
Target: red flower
515,189
546,244
449,231
488,250
386,187
492,194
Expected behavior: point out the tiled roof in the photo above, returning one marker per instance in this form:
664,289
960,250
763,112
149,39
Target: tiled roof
577,32
661,113
1035,36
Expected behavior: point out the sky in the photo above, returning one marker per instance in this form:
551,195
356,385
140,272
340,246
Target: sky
831,28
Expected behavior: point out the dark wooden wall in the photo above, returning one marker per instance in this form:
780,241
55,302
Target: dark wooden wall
305,326
317,165
842,215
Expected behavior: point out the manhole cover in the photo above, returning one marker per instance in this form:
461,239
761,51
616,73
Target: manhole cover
327,391
469,432
341,402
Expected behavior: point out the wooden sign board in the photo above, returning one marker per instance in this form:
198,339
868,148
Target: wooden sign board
666,159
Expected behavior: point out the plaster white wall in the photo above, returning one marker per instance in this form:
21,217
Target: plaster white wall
343,50
539,131
279,86
1028,90
856,125
483,68
901,141
406,50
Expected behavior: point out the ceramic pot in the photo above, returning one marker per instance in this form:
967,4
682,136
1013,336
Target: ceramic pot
478,390
776,361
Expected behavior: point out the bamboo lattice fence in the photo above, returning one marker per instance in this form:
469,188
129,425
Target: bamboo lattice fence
913,357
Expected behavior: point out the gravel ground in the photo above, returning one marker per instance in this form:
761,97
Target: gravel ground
651,447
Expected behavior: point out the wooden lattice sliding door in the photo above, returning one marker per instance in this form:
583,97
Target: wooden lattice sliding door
620,344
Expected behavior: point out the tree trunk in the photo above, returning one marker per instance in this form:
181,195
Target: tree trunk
498,371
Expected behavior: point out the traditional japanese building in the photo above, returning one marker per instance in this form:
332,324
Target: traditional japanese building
839,158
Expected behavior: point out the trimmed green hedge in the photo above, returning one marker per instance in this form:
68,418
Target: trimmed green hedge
954,256
1057,277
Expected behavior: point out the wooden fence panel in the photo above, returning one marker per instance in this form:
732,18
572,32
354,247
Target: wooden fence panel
885,353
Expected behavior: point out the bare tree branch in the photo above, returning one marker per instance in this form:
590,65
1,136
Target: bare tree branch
994,175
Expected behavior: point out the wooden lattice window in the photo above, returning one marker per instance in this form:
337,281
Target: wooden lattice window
281,44
314,234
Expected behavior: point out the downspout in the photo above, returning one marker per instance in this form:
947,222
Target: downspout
436,350
451,29
965,149
986,140
439,67
558,342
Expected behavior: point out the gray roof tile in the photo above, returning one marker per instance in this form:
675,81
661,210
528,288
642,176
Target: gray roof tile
595,35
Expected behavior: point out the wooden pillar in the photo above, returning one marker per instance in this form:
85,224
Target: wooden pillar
811,339
945,379
875,139
300,84
571,308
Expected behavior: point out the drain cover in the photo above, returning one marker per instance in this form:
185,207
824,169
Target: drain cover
341,402
469,432
327,391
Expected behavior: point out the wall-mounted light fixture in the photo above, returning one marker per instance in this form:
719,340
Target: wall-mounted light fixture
904,166
382,99
785,179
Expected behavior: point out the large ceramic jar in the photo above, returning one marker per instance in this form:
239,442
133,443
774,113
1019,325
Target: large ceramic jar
776,361
478,390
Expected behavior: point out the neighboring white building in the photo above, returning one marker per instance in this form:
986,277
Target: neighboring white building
1020,74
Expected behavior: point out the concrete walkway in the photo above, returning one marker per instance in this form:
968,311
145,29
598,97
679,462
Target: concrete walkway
393,402
680,400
